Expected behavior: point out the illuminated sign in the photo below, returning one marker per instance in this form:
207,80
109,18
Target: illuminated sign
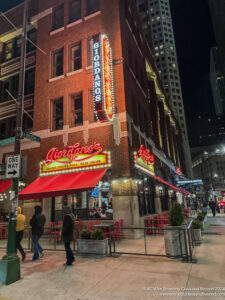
103,78
75,158
144,160
191,181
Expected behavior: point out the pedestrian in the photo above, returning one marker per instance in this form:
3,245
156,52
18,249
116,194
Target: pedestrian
212,205
37,223
68,234
20,225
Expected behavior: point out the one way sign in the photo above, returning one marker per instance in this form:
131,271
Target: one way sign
13,165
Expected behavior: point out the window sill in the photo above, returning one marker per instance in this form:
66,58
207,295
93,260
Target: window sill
56,30
74,72
55,78
73,23
92,15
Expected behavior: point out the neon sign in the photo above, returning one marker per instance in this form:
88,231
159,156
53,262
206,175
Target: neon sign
75,158
103,79
144,160
178,170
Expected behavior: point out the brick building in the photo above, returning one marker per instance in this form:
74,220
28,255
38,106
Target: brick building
91,80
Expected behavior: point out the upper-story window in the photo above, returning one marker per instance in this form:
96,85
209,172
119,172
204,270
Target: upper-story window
74,10
8,50
29,82
76,110
11,84
57,114
31,35
58,17
57,63
92,6
75,57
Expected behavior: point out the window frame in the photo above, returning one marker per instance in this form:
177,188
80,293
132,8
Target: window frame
72,60
56,24
53,114
73,110
54,72
71,17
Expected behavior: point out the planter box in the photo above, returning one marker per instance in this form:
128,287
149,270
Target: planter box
99,247
172,242
197,235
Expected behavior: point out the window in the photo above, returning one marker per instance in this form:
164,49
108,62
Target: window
31,35
57,114
75,57
92,6
74,11
29,82
76,110
57,63
8,50
58,17
89,51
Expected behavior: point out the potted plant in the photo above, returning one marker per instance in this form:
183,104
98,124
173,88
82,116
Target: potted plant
203,218
92,242
197,225
174,239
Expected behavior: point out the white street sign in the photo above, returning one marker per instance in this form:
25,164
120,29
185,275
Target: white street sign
13,165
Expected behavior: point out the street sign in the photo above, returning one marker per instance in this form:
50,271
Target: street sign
7,141
31,137
13,164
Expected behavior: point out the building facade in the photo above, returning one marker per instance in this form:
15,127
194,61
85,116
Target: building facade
109,138
158,30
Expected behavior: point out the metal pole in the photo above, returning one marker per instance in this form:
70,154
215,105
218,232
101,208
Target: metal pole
10,263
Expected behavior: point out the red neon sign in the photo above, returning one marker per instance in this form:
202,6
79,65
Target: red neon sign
146,156
71,152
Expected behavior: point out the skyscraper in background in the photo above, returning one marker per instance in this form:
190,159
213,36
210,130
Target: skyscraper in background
158,30
217,81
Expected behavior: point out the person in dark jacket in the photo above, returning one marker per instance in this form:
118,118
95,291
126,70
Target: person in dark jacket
68,234
212,205
37,223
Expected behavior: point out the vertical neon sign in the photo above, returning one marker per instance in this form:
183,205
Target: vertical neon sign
103,78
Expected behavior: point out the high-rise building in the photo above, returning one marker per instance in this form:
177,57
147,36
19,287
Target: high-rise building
158,30
217,82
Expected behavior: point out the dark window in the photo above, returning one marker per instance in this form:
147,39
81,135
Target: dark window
58,17
29,82
57,114
31,35
27,122
92,6
17,44
89,51
8,50
75,57
74,11
57,63
76,110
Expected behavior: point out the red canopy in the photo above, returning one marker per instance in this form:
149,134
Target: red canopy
58,185
4,185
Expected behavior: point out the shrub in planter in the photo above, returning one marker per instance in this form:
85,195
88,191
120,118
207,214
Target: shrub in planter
197,224
176,214
85,235
97,234
201,216
173,238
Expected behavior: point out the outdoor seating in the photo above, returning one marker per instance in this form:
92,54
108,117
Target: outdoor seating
90,226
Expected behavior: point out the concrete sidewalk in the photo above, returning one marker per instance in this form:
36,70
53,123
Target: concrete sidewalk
126,277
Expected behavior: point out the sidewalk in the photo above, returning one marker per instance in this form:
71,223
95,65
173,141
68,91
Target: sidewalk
125,277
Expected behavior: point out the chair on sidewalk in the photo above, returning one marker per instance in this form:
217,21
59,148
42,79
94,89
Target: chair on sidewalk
90,226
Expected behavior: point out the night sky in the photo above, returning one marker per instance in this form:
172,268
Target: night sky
194,37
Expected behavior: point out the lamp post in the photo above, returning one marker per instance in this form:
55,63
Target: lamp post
10,263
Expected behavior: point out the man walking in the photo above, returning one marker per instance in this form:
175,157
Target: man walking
68,234
20,224
212,205
37,223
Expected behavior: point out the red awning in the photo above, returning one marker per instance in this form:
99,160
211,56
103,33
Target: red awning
173,187
4,185
63,184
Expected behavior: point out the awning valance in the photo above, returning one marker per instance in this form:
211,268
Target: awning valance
4,185
63,184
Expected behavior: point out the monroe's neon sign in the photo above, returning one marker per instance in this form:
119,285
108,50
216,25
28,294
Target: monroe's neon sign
144,160
103,79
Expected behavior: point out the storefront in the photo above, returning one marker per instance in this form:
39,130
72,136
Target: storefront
76,176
